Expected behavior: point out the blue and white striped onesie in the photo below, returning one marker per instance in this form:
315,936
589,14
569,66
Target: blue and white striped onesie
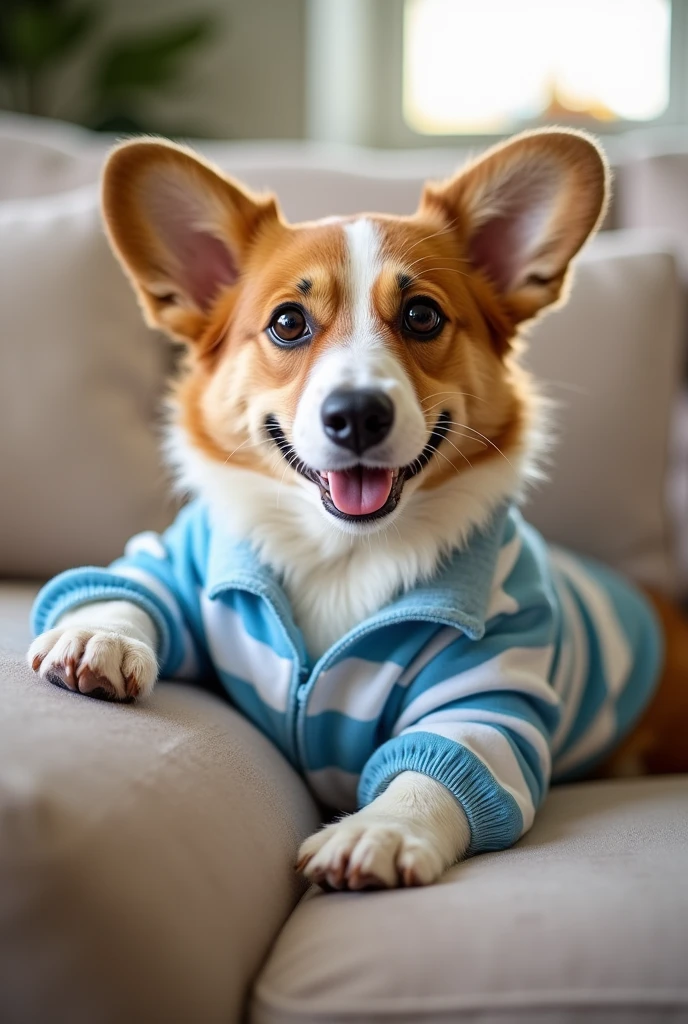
515,664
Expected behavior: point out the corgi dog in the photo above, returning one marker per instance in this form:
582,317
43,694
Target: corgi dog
355,430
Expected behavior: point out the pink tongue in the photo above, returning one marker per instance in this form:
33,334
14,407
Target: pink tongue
361,490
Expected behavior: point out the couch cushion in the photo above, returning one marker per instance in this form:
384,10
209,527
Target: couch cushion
15,605
652,191
610,359
585,920
146,852
81,383
33,167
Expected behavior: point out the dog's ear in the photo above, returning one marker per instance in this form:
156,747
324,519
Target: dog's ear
523,210
181,230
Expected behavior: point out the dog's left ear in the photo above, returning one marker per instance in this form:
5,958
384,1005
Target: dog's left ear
181,229
523,210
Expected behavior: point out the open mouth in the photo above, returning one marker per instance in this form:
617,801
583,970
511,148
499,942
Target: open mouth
360,493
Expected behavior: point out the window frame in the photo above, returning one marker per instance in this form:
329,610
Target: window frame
375,30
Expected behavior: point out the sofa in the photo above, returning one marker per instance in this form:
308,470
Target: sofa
147,850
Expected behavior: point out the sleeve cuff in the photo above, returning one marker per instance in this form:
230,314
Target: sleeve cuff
494,817
82,586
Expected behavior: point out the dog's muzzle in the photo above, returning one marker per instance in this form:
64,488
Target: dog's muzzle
360,493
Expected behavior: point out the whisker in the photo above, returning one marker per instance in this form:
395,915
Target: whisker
434,406
487,439
467,394
397,529
279,488
445,270
435,234
469,436
402,254
432,256
437,452
256,444
456,448
231,454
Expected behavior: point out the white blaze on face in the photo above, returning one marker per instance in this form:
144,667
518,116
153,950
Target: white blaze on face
360,359
365,264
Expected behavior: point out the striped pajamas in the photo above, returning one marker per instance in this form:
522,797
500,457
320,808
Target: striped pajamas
515,665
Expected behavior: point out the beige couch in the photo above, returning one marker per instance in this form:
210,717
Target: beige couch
146,851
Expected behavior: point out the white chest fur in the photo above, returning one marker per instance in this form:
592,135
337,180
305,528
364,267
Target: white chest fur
334,580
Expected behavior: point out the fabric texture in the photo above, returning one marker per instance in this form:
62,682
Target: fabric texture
146,852
585,921
610,360
511,657
652,195
32,166
80,391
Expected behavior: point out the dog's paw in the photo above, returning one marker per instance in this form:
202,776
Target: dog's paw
96,662
371,851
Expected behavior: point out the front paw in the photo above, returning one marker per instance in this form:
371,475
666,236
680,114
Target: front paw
370,851
96,662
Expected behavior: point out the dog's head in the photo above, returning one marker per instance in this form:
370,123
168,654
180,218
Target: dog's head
361,362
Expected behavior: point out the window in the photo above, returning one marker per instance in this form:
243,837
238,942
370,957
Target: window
405,73
491,66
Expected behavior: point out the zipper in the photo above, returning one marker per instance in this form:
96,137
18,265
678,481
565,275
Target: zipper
308,678
301,695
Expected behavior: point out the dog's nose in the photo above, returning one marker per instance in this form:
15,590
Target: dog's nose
357,420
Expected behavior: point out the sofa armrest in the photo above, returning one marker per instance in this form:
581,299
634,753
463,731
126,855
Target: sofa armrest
146,854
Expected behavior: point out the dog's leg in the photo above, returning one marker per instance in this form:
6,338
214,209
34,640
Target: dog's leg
408,835
658,742
105,649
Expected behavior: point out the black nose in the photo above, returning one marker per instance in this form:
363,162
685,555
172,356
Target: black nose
357,420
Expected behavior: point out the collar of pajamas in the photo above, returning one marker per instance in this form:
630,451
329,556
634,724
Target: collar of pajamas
516,664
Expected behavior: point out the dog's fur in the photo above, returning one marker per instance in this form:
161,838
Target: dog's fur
210,263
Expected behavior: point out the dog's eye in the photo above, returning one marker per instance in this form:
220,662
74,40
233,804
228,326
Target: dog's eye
289,326
422,318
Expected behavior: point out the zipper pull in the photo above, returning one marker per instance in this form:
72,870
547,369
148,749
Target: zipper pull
302,688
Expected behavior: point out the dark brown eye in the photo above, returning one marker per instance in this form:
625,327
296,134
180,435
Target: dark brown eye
289,326
422,318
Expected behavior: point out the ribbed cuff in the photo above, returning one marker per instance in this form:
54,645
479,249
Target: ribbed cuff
494,816
82,586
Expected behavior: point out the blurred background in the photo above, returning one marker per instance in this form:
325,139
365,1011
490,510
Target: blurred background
385,73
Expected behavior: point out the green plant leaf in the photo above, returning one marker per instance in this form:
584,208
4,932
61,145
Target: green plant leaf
148,62
34,36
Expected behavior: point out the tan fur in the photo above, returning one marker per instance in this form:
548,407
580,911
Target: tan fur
481,188
658,744
235,376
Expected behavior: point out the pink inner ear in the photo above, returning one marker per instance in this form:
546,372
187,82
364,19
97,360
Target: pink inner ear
505,241
200,262
206,265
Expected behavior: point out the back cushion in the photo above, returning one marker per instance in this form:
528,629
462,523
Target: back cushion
82,377
609,360
80,388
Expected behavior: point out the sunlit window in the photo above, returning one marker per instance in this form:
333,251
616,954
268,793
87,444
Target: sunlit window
484,66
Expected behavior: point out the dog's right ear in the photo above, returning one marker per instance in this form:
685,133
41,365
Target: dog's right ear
180,229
